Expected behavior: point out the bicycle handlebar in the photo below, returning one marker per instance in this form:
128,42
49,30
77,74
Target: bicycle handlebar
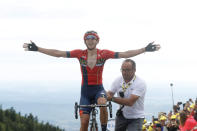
93,106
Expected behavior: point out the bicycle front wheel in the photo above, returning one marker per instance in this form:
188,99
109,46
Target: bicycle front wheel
93,127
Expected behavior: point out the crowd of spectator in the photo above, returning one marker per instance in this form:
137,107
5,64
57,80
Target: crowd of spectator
183,117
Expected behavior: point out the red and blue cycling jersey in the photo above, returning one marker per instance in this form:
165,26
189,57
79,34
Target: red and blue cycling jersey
92,87
92,76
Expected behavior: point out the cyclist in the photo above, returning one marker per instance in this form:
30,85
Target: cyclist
91,62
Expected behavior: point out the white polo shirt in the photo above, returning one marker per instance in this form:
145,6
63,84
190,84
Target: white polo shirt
136,87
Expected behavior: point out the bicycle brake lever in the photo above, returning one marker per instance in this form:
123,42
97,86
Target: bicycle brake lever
76,110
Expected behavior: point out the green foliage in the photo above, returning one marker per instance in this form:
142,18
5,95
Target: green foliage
12,121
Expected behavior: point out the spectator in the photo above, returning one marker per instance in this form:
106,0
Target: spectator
187,122
162,120
173,125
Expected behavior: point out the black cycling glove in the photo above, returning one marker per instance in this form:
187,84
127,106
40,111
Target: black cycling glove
150,47
32,47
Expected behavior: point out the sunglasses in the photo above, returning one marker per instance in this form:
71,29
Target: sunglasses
90,37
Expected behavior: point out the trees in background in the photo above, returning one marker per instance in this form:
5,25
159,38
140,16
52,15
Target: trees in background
10,120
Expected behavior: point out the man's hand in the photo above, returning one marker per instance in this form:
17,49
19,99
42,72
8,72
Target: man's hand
150,47
109,97
30,46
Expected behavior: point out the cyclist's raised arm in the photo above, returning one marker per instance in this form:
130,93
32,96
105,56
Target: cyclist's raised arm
52,52
130,53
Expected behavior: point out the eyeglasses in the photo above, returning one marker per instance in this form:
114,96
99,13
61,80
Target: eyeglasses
90,37
126,70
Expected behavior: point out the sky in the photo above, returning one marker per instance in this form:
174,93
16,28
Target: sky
121,24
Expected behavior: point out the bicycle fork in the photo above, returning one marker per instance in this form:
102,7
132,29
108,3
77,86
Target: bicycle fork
94,125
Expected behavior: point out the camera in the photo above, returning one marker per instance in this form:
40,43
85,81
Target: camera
121,93
183,105
176,108
179,103
119,112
